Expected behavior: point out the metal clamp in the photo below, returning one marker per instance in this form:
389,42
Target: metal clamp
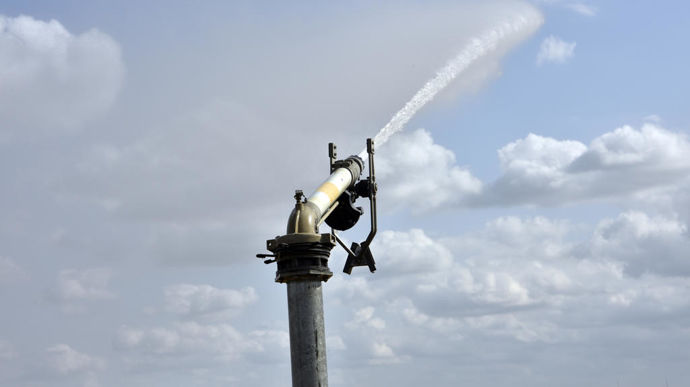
360,254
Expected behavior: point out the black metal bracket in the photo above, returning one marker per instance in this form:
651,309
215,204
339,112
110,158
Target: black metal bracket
360,254
332,155
267,261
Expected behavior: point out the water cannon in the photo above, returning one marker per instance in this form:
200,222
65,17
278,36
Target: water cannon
301,257
302,253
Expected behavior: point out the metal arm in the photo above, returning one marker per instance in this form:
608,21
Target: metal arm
372,192
360,254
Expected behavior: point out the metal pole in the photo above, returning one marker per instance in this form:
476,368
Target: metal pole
302,260
307,334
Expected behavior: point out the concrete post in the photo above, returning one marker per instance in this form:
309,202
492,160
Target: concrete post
307,334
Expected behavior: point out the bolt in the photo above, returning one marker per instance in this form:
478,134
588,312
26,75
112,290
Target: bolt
299,195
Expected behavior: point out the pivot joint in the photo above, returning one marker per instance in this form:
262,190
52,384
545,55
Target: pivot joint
301,257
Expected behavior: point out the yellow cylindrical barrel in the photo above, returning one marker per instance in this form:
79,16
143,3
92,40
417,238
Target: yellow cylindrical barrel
346,174
328,192
306,217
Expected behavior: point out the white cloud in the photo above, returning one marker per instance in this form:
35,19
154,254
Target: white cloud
65,360
408,252
280,338
650,148
680,202
333,343
412,168
622,163
382,353
644,244
539,156
211,242
575,6
653,118
186,344
522,282
52,80
625,163
381,350
182,338
476,277
494,268
347,288
555,50
189,299
440,325
82,285
582,9
365,317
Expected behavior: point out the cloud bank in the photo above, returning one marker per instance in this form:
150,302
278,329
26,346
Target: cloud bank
526,283
537,170
54,81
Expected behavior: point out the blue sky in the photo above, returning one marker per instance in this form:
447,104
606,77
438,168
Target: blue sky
533,216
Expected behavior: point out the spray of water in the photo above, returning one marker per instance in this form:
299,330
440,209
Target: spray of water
477,48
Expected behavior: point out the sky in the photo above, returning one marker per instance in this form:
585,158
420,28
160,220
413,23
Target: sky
533,217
